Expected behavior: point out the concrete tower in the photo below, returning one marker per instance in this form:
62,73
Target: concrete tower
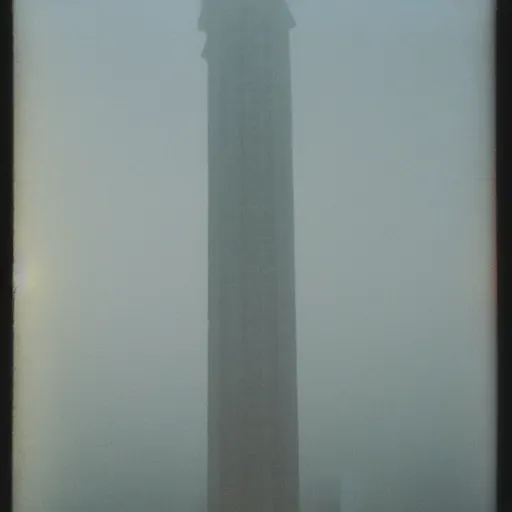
252,381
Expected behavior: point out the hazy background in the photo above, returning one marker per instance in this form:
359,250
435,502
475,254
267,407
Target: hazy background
393,148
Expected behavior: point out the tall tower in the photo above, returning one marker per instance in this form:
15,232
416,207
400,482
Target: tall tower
252,367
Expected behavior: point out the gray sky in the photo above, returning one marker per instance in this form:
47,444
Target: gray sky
393,198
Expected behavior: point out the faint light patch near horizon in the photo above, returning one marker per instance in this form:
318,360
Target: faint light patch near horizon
22,278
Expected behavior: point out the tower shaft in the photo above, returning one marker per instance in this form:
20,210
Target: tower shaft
252,376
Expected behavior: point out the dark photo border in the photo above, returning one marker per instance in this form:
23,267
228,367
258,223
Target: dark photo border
503,165
6,254
503,89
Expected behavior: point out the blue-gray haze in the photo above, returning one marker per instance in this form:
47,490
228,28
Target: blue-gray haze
394,255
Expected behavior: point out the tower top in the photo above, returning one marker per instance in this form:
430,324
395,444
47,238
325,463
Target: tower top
215,13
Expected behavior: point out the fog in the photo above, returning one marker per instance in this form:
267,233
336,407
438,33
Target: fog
393,156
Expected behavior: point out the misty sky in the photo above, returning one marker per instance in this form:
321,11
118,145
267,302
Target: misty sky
393,154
